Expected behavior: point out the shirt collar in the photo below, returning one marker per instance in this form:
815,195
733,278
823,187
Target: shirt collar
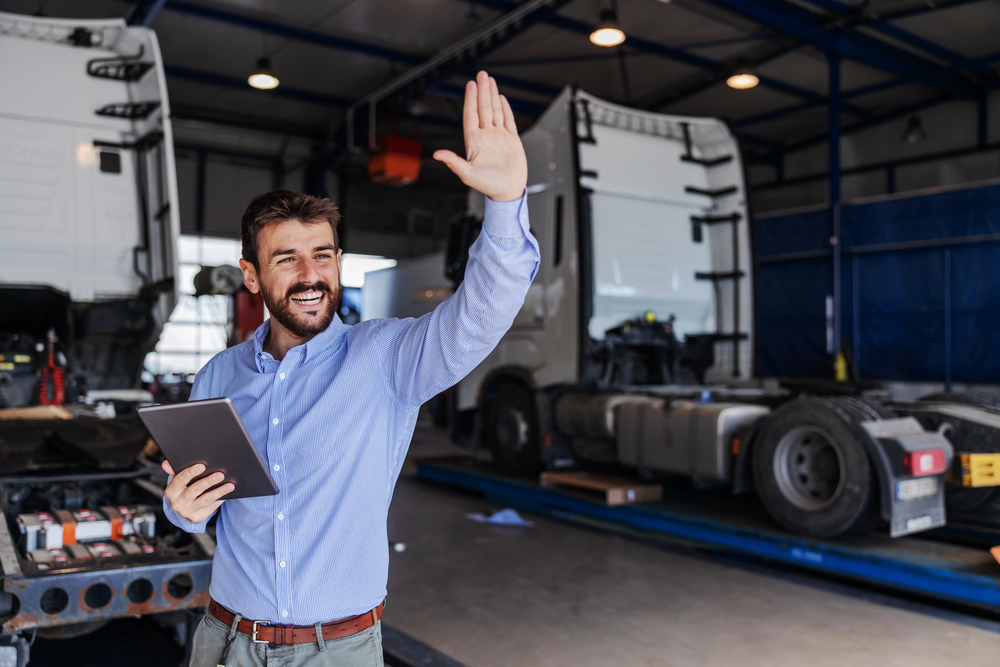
313,346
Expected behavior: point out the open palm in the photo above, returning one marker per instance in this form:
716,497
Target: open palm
494,161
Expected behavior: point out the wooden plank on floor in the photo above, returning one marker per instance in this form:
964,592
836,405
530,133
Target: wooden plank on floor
605,488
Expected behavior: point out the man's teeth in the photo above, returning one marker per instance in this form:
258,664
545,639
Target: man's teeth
308,298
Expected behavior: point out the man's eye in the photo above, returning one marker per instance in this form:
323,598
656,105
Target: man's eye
283,261
322,256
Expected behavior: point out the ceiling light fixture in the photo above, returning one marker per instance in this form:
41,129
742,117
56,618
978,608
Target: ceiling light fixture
914,131
742,78
263,78
608,32
418,106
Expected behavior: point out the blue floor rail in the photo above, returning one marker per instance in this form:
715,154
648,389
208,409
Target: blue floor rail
925,567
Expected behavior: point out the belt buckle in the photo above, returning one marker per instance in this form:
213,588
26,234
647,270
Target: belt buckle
253,635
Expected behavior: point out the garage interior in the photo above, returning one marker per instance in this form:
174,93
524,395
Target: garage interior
664,415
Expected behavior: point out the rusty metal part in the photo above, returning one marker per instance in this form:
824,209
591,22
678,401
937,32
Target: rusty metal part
177,585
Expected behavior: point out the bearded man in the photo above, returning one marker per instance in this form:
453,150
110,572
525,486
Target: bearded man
299,578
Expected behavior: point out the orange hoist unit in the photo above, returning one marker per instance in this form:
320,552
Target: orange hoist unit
398,163
52,385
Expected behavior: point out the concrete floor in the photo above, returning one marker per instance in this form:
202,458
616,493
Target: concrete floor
557,594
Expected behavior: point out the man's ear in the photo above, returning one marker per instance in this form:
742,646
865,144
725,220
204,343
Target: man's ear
340,265
249,276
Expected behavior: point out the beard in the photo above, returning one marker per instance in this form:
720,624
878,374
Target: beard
303,325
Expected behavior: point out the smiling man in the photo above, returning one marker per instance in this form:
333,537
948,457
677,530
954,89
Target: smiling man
300,578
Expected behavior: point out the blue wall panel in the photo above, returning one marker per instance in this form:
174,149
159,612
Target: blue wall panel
928,312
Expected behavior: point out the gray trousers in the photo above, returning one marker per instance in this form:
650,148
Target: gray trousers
363,649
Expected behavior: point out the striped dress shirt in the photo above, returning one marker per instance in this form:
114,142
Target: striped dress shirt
333,420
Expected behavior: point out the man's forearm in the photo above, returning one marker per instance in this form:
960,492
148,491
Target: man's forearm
424,356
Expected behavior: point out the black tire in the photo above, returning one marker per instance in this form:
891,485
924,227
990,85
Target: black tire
510,429
812,470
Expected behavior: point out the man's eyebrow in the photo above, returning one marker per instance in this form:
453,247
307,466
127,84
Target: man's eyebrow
288,251
324,247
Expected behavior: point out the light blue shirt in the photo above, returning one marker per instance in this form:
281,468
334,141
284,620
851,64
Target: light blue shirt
333,421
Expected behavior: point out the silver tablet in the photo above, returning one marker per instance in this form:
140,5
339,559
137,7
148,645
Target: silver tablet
210,432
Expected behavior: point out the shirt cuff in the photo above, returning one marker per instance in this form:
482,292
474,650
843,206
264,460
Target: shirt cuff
178,520
506,219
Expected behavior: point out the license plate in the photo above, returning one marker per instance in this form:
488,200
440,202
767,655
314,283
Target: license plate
916,488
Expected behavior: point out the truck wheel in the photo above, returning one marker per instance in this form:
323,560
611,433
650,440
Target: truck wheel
812,472
511,429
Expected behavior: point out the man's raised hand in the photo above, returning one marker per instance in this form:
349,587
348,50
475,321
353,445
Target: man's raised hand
494,161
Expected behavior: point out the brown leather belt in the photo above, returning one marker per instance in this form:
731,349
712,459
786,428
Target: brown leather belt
283,635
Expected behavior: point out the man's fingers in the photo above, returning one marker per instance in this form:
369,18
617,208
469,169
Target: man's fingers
485,104
461,168
495,103
185,476
508,116
213,497
202,485
167,468
470,113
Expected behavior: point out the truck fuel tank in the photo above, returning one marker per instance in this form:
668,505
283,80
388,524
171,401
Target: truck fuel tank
683,437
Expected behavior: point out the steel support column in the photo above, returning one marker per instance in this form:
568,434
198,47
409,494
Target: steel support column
199,207
835,101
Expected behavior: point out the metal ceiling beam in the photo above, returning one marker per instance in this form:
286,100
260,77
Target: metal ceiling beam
264,125
924,8
859,92
145,12
291,32
668,52
878,166
898,112
320,39
452,60
849,43
933,48
223,81
677,93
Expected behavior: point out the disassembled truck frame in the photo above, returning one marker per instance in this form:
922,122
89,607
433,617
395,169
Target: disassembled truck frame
640,213
89,220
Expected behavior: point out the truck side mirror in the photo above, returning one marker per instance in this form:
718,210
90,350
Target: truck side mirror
461,236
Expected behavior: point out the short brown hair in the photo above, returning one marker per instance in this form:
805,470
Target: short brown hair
278,206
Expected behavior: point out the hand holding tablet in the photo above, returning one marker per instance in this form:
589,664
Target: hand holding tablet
203,440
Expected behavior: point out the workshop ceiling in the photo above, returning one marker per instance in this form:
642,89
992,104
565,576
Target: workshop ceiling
897,56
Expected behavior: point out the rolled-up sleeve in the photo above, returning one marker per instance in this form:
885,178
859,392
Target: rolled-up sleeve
422,357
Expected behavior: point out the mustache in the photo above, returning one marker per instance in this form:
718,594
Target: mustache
298,288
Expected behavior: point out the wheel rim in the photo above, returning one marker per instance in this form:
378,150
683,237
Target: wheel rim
809,468
512,431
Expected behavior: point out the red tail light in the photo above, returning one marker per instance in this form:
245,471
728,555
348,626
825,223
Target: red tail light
929,462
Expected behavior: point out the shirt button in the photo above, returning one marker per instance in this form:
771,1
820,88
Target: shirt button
282,563
282,376
281,517
274,421
284,614
277,467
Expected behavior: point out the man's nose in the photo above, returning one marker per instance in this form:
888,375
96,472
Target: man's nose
308,272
